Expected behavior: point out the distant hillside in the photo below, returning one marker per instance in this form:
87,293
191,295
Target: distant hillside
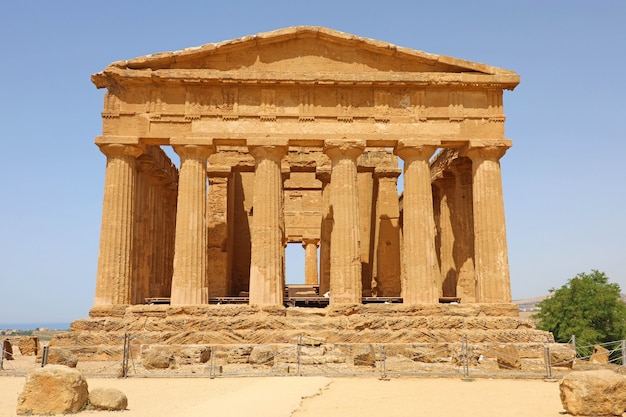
530,304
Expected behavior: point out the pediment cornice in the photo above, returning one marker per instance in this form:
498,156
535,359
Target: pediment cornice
305,55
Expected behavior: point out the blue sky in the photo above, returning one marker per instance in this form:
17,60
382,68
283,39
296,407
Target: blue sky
564,179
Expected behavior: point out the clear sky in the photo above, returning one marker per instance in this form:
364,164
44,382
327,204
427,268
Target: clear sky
564,179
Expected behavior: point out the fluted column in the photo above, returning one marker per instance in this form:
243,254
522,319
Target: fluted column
345,259
490,247
267,231
444,241
387,282
310,260
463,225
323,175
189,280
419,285
115,261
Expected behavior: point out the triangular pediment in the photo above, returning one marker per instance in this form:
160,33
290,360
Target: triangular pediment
301,52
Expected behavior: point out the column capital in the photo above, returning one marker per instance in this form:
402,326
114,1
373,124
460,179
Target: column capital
194,151
323,174
485,149
310,241
118,149
268,151
461,165
387,172
343,148
412,149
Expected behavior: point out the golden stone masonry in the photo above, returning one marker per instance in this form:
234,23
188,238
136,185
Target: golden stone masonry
297,136
294,136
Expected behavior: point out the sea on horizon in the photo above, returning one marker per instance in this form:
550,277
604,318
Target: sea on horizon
34,326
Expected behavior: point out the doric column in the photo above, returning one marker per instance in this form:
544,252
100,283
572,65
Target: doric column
217,223
345,259
267,231
189,280
490,248
387,274
419,285
463,225
115,261
444,204
310,260
323,175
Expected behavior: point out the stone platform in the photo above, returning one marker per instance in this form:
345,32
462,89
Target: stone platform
101,336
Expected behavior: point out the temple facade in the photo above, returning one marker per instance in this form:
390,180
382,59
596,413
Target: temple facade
300,136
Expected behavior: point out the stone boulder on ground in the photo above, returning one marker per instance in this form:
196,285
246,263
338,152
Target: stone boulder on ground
367,357
7,350
29,345
593,393
508,357
600,355
262,355
61,357
157,359
53,389
108,399
562,355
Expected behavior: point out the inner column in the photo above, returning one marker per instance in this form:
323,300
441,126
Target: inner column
267,231
189,280
419,285
310,261
345,259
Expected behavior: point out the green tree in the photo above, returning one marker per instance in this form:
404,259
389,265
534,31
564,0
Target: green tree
588,306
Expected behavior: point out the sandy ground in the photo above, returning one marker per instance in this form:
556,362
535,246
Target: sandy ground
318,396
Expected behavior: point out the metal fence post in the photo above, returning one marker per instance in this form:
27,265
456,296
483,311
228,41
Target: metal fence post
125,357
573,339
383,363
548,361
212,363
298,351
623,347
44,356
465,356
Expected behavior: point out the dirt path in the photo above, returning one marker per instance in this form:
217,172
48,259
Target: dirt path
329,397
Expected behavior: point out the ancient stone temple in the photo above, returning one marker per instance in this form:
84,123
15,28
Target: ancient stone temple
300,136
295,136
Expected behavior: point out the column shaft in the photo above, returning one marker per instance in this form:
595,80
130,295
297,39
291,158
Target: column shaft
115,261
387,271
189,280
310,261
267,231
345,257
463,224
444,204
325,232
490,247
419,285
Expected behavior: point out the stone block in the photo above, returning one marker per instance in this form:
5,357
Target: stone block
508,357
562,355
61,357
262,355
600,355
54,389
110,399
29,345
593,393
157,358
7,350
